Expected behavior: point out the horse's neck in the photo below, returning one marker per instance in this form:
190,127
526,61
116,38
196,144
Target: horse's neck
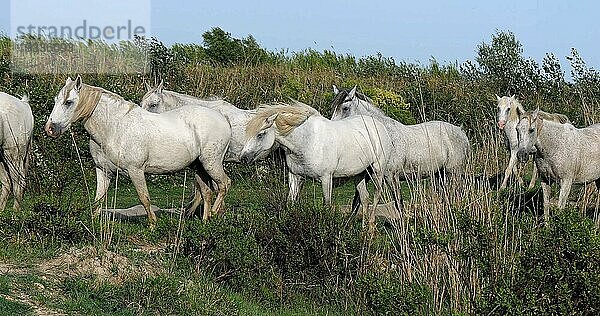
181,99
551,136
371,110
175,100
107,116
295,142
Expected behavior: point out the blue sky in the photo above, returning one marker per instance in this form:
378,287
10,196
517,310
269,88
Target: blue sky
406,30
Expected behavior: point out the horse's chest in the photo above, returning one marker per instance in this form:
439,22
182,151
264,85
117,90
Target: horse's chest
302,167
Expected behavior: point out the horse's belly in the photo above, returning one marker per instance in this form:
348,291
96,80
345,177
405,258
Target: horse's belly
588,173
422,165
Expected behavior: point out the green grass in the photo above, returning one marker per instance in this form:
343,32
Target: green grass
10,308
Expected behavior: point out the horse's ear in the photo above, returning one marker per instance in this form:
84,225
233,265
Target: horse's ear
539,122
159,89
352,93
520,110
269,121
513,96
69,80
78,83
148,86
498,98
335,90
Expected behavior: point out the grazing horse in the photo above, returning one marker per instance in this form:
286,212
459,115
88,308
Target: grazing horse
509,112
418,150
563,153
322,149
135,141
159,100
16,128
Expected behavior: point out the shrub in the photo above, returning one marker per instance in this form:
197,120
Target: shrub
556,273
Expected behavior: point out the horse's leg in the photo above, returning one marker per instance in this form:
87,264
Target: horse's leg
103,178
295,185
203,192
18,185
222,181
327,183
5,186
565,189
197,199
517,172
509,169
533,177
397,192
361,194
139,181
376,196
546,195
361,188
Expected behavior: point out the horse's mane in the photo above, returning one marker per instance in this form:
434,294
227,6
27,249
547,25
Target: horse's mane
208,98
89,96
373,110
289,116
552,117
343,94
555,117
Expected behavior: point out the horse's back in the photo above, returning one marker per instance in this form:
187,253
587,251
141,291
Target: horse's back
199,116
351,144
434,145
16,119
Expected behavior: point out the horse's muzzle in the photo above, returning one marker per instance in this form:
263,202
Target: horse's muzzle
52,129
501,124
246,158
523,156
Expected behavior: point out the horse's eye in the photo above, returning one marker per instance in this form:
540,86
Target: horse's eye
531,130
345,109
153,105
69,103
260,136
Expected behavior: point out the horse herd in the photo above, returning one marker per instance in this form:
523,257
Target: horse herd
172,131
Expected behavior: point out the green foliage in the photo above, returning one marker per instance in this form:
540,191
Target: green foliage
10,308
43,224
556,273
223,49
160,295
386,295
271,256
392,104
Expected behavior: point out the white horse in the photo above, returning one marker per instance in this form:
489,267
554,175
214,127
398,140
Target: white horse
509,112
159,100
418,150
563,153
321,149
134,141
16,128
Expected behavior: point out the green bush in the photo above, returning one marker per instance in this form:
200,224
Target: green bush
557,272
386,294
304,250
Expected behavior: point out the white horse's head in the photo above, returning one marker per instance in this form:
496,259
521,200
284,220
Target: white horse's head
507,108
261,138
528,130
73,102
345,104
153,100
